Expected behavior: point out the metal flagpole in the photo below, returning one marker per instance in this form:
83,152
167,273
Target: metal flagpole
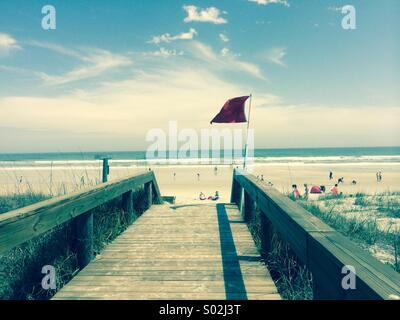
247,135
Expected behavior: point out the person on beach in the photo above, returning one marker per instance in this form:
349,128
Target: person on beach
335,190
306,191
296,193
340,180
216,196
380,176
354,182
262,177
216,171
330,175
198,177
323,189
20,179
202,196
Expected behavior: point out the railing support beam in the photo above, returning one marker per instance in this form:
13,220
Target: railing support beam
84,239
148,187
127,199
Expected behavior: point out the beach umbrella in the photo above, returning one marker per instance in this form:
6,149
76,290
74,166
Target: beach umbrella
315,189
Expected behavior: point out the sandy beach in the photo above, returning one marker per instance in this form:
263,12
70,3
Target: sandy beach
186,185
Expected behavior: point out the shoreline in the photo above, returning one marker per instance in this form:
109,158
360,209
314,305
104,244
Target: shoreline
186,186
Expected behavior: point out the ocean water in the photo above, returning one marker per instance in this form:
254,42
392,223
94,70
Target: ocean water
261,156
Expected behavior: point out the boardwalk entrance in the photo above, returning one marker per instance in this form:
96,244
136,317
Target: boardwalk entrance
178,252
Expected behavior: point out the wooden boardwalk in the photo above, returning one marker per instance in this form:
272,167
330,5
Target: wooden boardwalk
178,252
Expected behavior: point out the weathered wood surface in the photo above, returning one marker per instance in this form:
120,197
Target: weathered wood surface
178,252
324,250
21,225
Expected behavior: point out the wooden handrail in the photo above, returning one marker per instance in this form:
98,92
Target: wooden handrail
21,225
322,249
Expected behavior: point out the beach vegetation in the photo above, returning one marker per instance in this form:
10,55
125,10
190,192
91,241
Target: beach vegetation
292,278
20,268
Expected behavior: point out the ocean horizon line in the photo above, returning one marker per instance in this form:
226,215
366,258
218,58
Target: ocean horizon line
259,155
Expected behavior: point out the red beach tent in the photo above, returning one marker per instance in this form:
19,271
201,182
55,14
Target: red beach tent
315,189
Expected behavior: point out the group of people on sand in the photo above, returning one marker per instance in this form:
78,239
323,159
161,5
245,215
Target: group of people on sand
313,190
203,197
379,176
341,179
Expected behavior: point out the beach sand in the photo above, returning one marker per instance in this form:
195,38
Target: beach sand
186,186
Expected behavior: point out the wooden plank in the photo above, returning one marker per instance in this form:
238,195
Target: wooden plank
23,224
321,248
170,260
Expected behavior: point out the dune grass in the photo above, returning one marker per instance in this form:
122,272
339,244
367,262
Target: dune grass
292,278
362,230
20,268
15,201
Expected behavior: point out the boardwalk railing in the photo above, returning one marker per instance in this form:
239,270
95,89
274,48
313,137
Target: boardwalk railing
322,249
21,225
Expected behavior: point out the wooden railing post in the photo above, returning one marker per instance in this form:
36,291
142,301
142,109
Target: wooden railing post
127,200
249,207
236,192
84,238
266,235
148,187
106,170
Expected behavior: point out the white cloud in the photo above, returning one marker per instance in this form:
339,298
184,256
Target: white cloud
95,62
163,52
57,48
225,60
335,9
276,56
225,52
168,38
117,115
223,37
266,2
7,44
211,15
275,126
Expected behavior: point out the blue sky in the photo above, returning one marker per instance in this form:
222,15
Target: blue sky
114,69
